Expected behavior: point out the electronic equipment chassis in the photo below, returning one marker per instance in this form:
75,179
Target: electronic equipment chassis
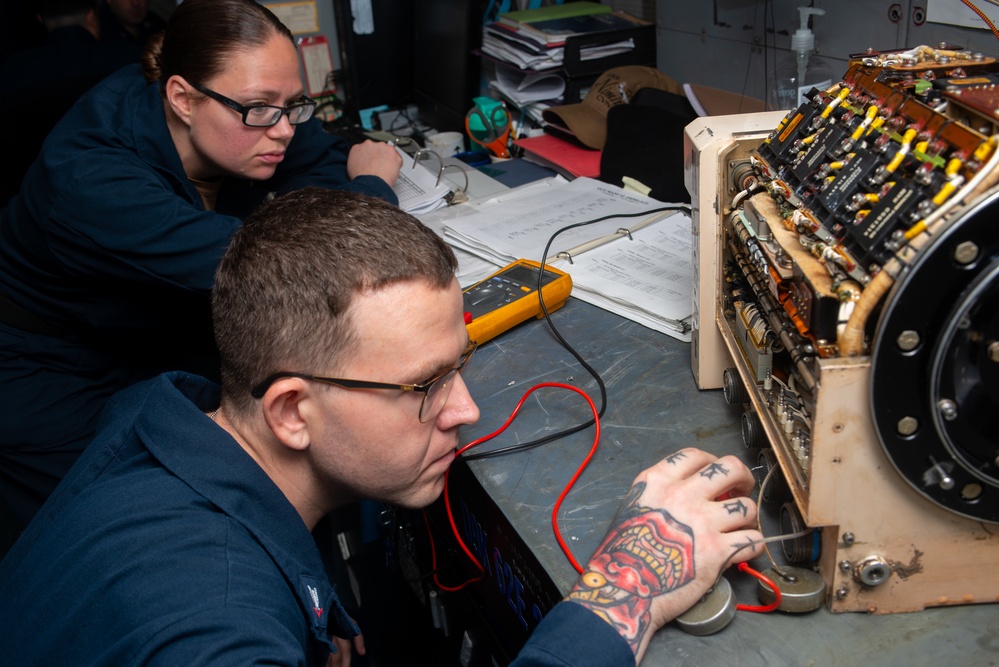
847,294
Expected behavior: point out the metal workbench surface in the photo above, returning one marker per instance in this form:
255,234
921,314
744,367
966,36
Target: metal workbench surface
655,408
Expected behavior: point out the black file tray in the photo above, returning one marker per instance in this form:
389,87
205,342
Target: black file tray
644,52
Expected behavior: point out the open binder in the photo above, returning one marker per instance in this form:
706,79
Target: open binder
638,266
420,186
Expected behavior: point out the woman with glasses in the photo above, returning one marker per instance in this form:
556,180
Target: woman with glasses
108,253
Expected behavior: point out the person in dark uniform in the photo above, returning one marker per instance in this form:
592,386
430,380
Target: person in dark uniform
40,84
128,20
182,537
108,252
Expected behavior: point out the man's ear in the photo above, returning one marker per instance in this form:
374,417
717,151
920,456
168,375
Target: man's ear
282,407
179,94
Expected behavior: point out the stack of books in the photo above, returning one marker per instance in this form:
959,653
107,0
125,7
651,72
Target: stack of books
536,39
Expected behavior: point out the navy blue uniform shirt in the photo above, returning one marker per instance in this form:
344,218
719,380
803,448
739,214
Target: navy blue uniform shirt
167,544
109,244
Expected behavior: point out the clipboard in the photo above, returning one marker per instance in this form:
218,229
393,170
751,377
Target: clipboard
317,65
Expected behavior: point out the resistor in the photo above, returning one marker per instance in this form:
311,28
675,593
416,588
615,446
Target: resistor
983,151
896,161
835,102
872,112
954,181
806,141
862,198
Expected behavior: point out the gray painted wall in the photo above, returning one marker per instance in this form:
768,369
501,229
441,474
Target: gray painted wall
730,44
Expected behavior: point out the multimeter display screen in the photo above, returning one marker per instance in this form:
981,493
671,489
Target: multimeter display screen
527,275
507,286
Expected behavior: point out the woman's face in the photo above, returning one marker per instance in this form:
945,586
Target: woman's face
219,142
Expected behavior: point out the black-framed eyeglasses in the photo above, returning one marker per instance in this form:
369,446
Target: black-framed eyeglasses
435,391
266,115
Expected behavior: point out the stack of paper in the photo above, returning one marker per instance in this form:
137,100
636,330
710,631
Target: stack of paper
511,48
554,32
638,266
535,39
471,267
520,17
522,88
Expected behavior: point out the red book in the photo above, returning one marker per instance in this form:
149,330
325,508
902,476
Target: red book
568,159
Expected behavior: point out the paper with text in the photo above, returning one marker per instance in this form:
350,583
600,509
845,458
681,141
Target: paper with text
520,228
638,266
646,277
417,187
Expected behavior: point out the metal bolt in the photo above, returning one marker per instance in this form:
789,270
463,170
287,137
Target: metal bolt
966,252
845,565
971,491
841,592
938,474
874,571
849,539
908,340
907,426
993,351
948,409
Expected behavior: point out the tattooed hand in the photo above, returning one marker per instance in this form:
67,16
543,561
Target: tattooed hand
668,543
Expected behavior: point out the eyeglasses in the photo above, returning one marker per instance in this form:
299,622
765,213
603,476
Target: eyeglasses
435,391
266,115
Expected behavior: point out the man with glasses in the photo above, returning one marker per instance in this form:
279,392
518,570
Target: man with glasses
182,535
108,251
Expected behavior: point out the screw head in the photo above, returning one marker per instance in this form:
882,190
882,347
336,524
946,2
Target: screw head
948,409
966,252
907,426
908,340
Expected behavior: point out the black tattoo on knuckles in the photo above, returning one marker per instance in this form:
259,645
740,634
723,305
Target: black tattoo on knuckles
736,507
713,469
676,456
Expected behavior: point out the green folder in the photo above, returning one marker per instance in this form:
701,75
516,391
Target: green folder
555,12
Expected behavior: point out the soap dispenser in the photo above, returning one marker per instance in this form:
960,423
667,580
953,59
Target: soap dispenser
802,70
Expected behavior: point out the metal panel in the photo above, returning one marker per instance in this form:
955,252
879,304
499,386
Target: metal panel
730,44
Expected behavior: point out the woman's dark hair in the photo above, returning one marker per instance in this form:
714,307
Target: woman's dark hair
201,34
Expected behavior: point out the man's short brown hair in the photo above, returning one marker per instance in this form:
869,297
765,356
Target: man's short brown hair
284,286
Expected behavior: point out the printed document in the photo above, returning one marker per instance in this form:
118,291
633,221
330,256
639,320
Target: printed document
637,263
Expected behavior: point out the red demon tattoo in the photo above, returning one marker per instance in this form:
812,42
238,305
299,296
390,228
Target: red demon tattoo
646,553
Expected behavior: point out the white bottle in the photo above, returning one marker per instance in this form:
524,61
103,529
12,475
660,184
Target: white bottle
802,70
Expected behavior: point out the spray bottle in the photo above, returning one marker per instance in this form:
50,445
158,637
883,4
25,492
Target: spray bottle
802,70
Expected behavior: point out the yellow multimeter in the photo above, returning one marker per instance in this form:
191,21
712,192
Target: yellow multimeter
510,296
